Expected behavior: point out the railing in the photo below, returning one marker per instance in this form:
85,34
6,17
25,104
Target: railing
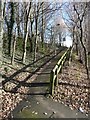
57,69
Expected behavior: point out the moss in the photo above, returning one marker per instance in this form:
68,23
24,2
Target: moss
26,113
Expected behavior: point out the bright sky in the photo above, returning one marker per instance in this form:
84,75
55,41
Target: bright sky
68,41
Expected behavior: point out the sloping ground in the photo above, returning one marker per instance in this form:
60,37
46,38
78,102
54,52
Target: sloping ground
14,76
73,87
36,106
39,105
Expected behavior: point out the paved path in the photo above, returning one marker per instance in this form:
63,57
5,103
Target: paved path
39,105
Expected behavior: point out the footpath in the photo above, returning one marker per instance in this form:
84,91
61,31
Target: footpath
38,104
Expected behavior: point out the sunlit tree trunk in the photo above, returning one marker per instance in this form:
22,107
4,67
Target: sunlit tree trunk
36,30
42,32
35,41
31,36
26,34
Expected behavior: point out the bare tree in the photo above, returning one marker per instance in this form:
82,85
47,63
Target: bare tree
30,21
80,20
76,13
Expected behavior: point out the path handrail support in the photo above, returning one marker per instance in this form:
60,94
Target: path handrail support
57,69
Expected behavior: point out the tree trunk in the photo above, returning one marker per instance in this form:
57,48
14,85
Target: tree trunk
80,18
31,41
1,30
13,50
85,51
18,24
10,25
59,39
70,57
35,41
76,48
9,41
76,44
42,33
26,35
31,44
4,9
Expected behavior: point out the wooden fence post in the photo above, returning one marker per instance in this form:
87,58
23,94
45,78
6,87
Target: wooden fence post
52,83
56,70
56,73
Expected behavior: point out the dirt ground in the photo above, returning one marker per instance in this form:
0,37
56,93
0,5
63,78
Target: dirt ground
73,87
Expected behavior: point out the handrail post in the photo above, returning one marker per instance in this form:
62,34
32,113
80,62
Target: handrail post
52,82
56,81
61,68
56,70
